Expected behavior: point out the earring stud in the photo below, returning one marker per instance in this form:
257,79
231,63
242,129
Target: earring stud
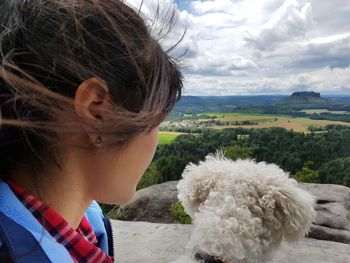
99,140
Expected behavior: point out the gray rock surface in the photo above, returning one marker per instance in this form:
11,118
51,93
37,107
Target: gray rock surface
332,223
151,204
333,212
163,243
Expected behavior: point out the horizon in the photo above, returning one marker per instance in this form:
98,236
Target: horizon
257,95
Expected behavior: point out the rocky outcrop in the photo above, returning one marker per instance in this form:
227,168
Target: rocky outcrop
151,204
332,223
305,100
306,94
333,212
163,243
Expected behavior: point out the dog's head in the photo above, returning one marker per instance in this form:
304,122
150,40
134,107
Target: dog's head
242,210
200,180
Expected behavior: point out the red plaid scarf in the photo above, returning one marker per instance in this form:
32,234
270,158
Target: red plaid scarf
80,243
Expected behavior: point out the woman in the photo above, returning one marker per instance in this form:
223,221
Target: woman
83,87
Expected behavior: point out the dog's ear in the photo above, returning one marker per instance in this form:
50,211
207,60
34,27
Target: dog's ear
195,187
199,180
294,212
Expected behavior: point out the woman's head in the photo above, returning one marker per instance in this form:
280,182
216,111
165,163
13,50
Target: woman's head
50,50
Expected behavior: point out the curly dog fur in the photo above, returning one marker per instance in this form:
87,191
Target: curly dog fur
242,210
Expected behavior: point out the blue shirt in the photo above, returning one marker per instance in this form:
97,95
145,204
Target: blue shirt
27,240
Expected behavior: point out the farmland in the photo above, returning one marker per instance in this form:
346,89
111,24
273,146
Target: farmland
250,120
319,111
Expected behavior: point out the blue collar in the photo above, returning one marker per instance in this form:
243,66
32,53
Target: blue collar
11,207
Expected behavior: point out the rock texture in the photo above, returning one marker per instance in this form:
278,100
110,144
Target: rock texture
152,204
163,243
333,212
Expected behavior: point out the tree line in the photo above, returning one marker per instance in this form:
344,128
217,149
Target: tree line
313,157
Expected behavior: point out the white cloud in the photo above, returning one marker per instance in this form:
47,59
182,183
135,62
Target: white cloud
325,81
220,64
167,22
290,22
262,46
203,7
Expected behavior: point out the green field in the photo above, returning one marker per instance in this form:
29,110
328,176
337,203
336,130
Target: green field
300,124
167,137
295,124
239,114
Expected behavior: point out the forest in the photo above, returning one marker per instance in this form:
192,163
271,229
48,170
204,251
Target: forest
308,157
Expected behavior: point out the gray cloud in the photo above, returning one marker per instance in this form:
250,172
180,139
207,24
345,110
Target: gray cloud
291,21
257,47
335,54
331,17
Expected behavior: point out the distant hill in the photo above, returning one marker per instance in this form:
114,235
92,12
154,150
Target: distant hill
305,100
260,103
203,104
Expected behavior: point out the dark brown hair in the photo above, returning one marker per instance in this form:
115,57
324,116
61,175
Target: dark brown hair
49,47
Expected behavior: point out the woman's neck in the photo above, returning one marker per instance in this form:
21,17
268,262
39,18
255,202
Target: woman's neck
64,193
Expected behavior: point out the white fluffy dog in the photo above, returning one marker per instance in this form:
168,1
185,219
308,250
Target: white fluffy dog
241,210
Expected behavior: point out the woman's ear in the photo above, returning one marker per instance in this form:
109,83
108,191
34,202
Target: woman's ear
91,100
91,103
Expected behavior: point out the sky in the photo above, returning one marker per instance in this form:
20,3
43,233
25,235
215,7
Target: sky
254,47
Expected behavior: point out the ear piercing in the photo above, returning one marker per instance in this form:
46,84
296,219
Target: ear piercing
99,140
